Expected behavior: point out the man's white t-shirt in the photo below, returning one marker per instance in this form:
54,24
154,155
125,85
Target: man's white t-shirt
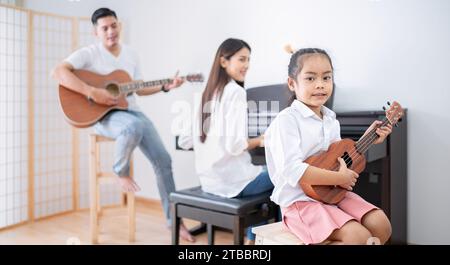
96,58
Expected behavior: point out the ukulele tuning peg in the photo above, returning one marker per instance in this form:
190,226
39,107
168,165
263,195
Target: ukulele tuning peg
384,108
389,103
400,120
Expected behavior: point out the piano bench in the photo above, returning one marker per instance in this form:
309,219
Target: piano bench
234,214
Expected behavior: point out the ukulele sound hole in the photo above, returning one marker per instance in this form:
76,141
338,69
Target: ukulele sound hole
113,89
348,160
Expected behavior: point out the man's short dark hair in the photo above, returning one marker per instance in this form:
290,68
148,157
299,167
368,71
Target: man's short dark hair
102,12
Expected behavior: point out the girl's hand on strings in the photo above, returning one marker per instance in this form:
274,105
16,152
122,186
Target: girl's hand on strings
349,177
382,132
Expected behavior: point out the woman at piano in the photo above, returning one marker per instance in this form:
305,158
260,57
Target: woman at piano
218,130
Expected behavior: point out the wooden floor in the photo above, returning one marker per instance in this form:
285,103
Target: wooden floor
74,228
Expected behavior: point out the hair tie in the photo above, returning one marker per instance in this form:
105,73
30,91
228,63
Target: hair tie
288,48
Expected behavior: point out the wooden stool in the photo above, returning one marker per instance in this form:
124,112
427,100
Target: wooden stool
96,177
275,234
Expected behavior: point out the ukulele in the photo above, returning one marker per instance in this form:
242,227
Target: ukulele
352,153
81,112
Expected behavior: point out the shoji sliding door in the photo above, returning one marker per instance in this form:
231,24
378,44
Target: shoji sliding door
14,122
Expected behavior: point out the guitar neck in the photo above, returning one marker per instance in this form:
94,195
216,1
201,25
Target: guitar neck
138,85
365,142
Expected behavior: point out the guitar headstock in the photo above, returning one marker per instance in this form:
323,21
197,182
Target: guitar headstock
195,77
394,113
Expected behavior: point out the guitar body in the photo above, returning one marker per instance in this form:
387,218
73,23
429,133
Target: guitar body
82,113
329,160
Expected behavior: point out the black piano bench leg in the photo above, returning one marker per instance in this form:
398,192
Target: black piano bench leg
210,229
175,226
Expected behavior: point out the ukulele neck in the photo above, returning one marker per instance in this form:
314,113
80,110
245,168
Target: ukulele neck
365,142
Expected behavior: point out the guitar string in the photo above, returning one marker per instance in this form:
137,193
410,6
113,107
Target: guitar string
128,87
154,83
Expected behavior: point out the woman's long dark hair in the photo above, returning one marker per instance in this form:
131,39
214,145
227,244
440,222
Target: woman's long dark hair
296,64
218,79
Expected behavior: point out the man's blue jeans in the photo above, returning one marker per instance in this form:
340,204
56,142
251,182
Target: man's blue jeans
132,129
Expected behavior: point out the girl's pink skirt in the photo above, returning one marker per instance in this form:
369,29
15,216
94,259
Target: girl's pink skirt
313,222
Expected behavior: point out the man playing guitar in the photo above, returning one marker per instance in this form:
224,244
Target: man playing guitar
130,128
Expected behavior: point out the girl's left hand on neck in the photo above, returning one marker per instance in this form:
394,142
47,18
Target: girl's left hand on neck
382,132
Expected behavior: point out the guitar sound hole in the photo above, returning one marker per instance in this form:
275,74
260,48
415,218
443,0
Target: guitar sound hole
348,160
113,89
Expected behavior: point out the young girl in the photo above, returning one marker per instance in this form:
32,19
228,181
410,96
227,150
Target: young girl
219,133
306,128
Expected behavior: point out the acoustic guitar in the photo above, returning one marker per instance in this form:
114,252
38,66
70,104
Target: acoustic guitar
352,153
81,112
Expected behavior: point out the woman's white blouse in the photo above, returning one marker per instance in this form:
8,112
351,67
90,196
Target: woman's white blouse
222,162
293,136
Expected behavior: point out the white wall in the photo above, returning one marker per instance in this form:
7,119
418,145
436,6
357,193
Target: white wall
73,8
382,50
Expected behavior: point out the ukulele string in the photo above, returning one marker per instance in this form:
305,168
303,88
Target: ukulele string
365,143
348,157
358,156
362,145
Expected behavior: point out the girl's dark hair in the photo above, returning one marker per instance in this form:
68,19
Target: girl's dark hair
296,64
102,12
217,80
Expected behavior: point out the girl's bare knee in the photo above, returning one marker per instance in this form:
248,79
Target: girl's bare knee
379,225
384,231
355,234
358,237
